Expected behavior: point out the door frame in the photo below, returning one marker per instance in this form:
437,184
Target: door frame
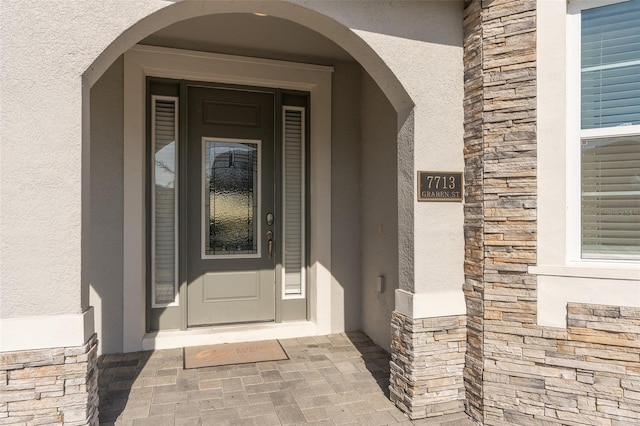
148,61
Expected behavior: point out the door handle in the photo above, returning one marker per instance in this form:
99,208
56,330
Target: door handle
270,243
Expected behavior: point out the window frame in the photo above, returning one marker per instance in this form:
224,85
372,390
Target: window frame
575,135
559,277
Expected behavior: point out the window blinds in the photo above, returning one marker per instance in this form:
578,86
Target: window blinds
610,65
610,102
293,185
164,137
611,196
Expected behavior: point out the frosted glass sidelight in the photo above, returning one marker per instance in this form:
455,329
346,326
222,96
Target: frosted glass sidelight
231,182
164,135
293,185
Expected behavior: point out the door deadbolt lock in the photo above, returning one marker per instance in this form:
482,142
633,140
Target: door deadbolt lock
269,219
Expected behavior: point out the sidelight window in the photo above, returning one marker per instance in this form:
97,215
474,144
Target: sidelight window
164,245
294,202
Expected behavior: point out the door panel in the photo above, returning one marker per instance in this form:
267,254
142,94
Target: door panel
230,191
232,286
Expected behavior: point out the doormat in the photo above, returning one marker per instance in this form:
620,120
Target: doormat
233,353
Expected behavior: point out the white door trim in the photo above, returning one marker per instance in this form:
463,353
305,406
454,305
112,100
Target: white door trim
143,61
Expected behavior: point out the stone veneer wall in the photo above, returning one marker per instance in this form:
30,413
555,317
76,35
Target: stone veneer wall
588,374
473,205
50,386
517,372
500,174
427,361
509,188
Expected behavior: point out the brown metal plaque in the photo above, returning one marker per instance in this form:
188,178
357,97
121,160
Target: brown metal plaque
440,186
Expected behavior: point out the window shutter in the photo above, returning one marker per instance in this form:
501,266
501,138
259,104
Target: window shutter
164,136
611,196
611,65
293,185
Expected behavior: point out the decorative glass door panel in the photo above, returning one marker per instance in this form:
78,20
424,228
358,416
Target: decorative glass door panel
231,207
230,182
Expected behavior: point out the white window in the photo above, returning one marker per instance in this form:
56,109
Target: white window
609,128
565,272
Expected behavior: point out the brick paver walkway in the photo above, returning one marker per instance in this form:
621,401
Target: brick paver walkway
329,380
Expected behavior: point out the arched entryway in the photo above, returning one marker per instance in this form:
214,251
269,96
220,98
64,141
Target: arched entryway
355,108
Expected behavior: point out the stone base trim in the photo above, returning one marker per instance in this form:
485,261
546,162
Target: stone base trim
427,362
50,386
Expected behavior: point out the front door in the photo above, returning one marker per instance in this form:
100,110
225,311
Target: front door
230,213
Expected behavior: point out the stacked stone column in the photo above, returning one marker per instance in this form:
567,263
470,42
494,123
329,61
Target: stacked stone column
427,361
50,386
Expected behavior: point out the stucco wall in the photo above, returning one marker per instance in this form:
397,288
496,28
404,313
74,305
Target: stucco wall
345,197
106,207
379,211
46,47
422,44
40,168
438,146
411,49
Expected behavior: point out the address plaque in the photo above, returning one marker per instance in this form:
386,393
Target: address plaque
440,186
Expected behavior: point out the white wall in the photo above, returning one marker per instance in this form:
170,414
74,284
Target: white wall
41,157
46,47
106,207
436,85
379,211
346,300
45,165
421,43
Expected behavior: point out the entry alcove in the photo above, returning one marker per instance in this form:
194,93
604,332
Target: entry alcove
358,212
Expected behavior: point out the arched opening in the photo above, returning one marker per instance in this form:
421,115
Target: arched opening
325,26
352,179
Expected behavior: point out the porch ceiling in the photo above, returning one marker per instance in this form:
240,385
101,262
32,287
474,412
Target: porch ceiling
250,35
